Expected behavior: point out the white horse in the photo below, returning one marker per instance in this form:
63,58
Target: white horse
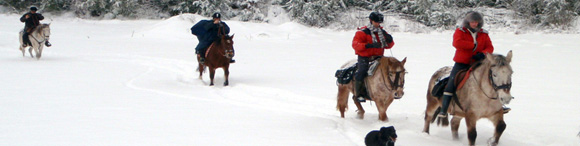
37,37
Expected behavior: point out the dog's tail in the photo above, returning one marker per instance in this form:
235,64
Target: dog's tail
440,121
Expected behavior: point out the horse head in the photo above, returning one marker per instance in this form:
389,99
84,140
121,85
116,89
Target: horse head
500,75
395,74
228,44
44,30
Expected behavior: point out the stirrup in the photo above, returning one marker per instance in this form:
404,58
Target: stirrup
442,115
361,99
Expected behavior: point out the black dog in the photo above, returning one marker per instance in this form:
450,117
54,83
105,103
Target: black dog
385,137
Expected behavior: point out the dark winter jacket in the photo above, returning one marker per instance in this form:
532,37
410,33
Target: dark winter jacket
464,45
363,37
207,32
32,21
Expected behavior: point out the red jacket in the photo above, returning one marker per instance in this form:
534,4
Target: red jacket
463,43
363,37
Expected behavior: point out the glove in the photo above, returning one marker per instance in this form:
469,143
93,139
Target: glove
474,47
479,56
373,45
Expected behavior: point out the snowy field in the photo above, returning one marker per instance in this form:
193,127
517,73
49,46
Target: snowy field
115,82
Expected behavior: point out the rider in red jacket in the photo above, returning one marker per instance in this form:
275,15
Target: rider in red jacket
369,42
471,43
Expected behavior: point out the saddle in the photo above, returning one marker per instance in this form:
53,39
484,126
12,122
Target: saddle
346,74
460,80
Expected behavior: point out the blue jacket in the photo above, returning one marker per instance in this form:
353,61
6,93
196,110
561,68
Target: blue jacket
207,32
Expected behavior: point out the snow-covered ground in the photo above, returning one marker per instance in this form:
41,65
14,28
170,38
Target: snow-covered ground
114,82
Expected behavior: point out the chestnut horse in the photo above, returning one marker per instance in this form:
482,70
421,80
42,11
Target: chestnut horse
218,55
385,85
485,91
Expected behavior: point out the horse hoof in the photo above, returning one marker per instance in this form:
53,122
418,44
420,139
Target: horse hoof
226,84
211,84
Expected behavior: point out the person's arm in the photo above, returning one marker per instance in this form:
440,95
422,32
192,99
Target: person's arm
226,28
389,40
24,17
460,43
488,48
39,16
358,42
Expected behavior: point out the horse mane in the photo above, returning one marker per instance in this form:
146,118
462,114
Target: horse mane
390,61
40,27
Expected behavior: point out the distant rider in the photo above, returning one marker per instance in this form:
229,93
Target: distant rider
31,20
207,32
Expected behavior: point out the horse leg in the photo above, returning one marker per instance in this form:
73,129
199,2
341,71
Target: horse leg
23,49
342,99
226,74
430,111
200,68
382,106
39,52
30,51
455,122
211,75
499,128
360,111
471,121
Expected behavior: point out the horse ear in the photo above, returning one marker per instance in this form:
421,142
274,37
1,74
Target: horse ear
508,58
233,36
489,57
403,62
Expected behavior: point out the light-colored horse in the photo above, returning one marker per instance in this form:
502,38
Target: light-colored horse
485,91
385,85
37,37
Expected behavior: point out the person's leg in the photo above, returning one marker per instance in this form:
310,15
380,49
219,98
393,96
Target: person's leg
363,67
450,88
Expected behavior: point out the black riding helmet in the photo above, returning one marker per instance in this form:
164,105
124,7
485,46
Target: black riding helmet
33,9
216,15
377,17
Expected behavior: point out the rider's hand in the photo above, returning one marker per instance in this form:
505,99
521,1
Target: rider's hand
27,16
479,56
373,45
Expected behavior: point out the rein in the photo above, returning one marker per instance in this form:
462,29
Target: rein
44,39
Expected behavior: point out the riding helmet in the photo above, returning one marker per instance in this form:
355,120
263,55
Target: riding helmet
33,9
216,15
377,17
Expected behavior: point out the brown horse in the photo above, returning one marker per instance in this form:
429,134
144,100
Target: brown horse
385,85
218,55
485,91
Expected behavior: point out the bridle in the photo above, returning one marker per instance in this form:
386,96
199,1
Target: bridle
496,88
394,83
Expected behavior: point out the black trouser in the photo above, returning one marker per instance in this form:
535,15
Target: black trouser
25,39
451,87
363,67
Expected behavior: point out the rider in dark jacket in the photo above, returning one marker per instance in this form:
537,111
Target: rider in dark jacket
31,20
207,32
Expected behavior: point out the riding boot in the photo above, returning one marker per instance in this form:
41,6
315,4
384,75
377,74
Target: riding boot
359,90
232,60
201,58
25,40
445,104
48,44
